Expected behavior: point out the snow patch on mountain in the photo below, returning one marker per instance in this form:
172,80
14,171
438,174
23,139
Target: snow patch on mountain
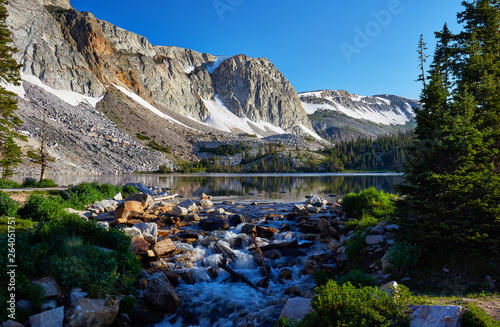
311,132
189,69
218,60
148,106
223,119
70,97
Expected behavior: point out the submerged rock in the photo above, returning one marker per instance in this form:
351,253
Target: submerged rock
213,223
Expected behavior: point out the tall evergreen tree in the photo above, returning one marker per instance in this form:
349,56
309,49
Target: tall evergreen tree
11,156
9,74
452,190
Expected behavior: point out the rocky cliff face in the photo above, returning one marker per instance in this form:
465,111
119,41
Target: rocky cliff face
71,50
255,89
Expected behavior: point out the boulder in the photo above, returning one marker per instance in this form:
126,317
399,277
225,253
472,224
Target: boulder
374,239
285,274
313,209
132,231
235,220
146,200
163,247
92,312
76,294
141,188
51,318
85,215
377,229
11,323
192,216
264,232
437,316
24,306
205,203
291,252
326,229
334,245
190,205
139,244
316,201
296,308
161,294
298,208
49,305
386,265
50,286
179,211
129,209
149,231
212,223
272,255
203,196
105,205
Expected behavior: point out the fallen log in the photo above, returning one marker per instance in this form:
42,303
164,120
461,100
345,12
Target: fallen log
225,251
165,197
239,276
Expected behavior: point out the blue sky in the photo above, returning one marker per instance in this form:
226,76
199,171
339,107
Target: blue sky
366,47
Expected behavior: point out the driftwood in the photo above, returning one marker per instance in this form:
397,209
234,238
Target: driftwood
228,254
239,276
275,246
165,197
260,256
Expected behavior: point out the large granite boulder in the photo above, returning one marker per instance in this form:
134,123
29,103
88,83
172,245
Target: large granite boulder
86,312
296,308
51,318
161,294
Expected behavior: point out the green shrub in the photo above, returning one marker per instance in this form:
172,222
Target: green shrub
8,207
129,189
347,305
9,184
371,202
403,256
81,195
127,305
143,137
46,183
109,191
355,245
157,147
358,279
30,182
69,249
40,208
476,317
321,277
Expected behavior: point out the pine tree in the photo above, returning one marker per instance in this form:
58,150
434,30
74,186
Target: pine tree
9,73
11,156
452,189
422,47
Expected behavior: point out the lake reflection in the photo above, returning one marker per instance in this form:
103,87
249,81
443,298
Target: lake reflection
249,187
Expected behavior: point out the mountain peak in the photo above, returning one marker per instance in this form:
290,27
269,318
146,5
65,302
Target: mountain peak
58,3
